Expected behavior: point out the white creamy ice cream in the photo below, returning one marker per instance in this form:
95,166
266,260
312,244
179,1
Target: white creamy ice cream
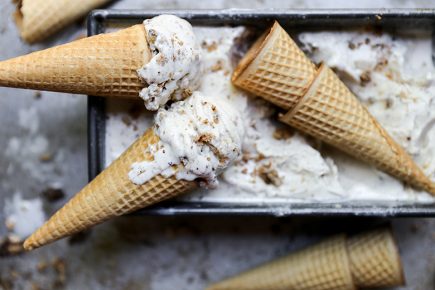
281,165
394,77
202,134
24,215
173,71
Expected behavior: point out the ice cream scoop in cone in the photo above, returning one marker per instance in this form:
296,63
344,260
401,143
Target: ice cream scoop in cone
275,69
324,266
374,260
332,113
110,194
101,65
38,19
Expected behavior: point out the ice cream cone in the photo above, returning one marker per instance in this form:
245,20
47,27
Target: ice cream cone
275,69
331,112
38,19
101,65
324,266
110,194
375,260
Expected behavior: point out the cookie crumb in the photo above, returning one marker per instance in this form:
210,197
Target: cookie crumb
269,175
217,66
282,133
209,46
365,78
53,194
45,157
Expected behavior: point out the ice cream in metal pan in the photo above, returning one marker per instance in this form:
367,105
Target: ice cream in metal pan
319,104
282,166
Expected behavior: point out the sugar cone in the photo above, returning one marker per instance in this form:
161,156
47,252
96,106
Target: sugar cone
110,194
275,69
38,19
331,112
374,260
324,266
101,65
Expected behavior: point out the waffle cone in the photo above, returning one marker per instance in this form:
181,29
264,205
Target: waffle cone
331,112
324,266
101,65
275,69
110,194
38,19
375,260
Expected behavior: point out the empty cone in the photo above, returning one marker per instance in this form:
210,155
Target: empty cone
101,65
331,112
38,19
275,69
324,266
110,194
374,260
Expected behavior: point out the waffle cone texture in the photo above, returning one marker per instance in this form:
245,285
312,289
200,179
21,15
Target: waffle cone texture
101,65
375,260
336,263
276,69
319,104
324,266
109,195
38,19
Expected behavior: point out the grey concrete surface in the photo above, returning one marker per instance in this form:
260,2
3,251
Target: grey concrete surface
159,253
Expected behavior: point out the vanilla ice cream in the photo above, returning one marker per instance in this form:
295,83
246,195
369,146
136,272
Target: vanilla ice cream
279,164
202,134
173,71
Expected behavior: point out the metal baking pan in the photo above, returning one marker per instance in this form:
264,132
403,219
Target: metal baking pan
394,19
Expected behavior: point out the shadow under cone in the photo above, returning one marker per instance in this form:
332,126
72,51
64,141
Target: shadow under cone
110,194
101,65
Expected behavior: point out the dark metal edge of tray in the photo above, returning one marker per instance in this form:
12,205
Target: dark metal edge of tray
300,17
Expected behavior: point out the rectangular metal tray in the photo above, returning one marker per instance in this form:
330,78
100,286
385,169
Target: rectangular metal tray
395,19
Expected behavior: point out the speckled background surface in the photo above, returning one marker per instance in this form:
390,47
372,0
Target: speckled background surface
159,253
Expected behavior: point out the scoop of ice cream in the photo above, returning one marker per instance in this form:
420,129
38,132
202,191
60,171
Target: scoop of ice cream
202,134
174,69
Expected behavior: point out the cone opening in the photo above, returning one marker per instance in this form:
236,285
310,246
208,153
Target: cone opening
254,51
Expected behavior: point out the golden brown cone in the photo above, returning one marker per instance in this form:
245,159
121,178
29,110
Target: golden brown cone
101,65
38,19
110,194
324,266
275,69
374,260
332,113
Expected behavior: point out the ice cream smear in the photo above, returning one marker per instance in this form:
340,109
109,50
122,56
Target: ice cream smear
24,216
201,134
174,69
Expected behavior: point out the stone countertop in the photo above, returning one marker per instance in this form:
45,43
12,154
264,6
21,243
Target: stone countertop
43,136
